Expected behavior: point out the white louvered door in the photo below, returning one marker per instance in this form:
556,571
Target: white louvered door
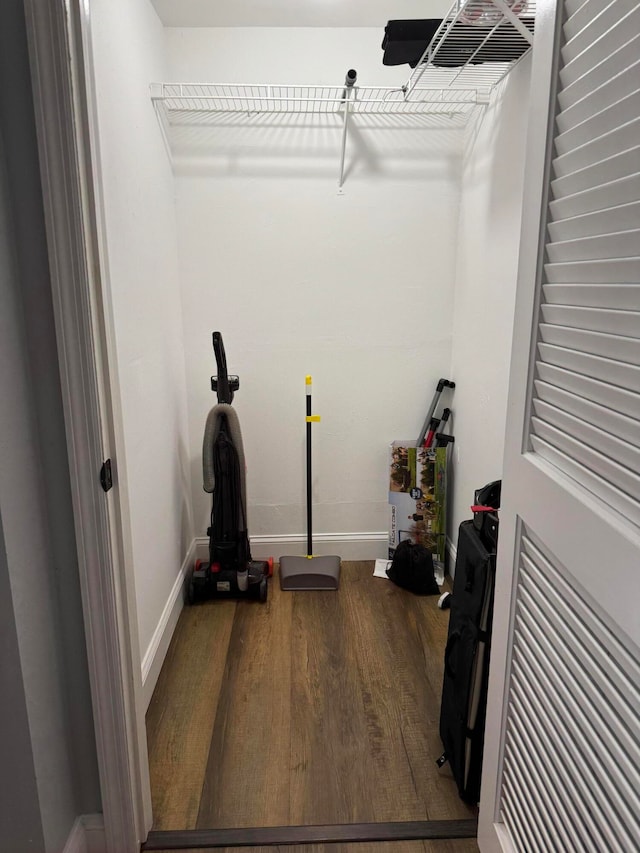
562,745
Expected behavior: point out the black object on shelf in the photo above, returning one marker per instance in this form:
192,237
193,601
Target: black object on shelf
405,42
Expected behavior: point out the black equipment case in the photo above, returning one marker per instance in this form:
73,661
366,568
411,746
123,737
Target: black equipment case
464,690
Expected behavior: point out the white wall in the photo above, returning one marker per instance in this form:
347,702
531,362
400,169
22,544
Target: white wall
355,289
279,55
143,286
487,251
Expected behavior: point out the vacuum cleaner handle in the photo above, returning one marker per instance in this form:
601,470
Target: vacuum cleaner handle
223,389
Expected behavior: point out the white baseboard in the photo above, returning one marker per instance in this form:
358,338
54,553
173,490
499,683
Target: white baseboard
348,546
94,833
157,648
87,835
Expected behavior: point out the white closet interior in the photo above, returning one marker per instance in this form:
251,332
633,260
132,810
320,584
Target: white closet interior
405,275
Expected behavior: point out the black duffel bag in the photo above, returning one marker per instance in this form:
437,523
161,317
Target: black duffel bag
412,569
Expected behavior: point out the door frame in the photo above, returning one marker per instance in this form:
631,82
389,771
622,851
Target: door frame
59,45
58,33
492,837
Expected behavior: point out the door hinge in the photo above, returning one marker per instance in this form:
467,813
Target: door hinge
106,478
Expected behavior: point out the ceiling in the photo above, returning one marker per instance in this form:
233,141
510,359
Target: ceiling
294,13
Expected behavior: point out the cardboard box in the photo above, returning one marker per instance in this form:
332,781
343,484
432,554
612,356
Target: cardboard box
418,498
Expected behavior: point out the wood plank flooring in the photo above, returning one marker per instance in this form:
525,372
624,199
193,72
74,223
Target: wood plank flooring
316,708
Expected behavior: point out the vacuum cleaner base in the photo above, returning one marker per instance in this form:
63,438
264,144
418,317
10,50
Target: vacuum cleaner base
304,573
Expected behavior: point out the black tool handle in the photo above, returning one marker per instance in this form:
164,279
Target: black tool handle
442,440
225,394
309,483
442,384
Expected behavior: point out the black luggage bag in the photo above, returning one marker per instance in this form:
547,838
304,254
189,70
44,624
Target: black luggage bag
464,690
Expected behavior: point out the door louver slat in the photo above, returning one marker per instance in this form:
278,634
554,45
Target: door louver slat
573,698
624,190
518,825
589,320
606,369
568,790
576,86
605,653
625,297
611,759
599,99
575,771
603,466
581,14
621,244
595,44
619,399
563,650
537,782
594,223
608,445
611,346
602,121
588,410
531,838
571,782
612,496
589,24
605,271
590,153
612,168
594,319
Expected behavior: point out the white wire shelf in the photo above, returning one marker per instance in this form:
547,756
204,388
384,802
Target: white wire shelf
175,99
477,43
475,46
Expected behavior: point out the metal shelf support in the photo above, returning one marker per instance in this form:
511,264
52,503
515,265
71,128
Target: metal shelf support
346,98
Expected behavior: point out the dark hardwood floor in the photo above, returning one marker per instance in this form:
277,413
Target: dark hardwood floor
316,708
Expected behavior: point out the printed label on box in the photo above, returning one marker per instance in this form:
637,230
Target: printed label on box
417,497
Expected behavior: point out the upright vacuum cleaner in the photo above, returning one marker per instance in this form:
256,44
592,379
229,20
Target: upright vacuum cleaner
230,571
